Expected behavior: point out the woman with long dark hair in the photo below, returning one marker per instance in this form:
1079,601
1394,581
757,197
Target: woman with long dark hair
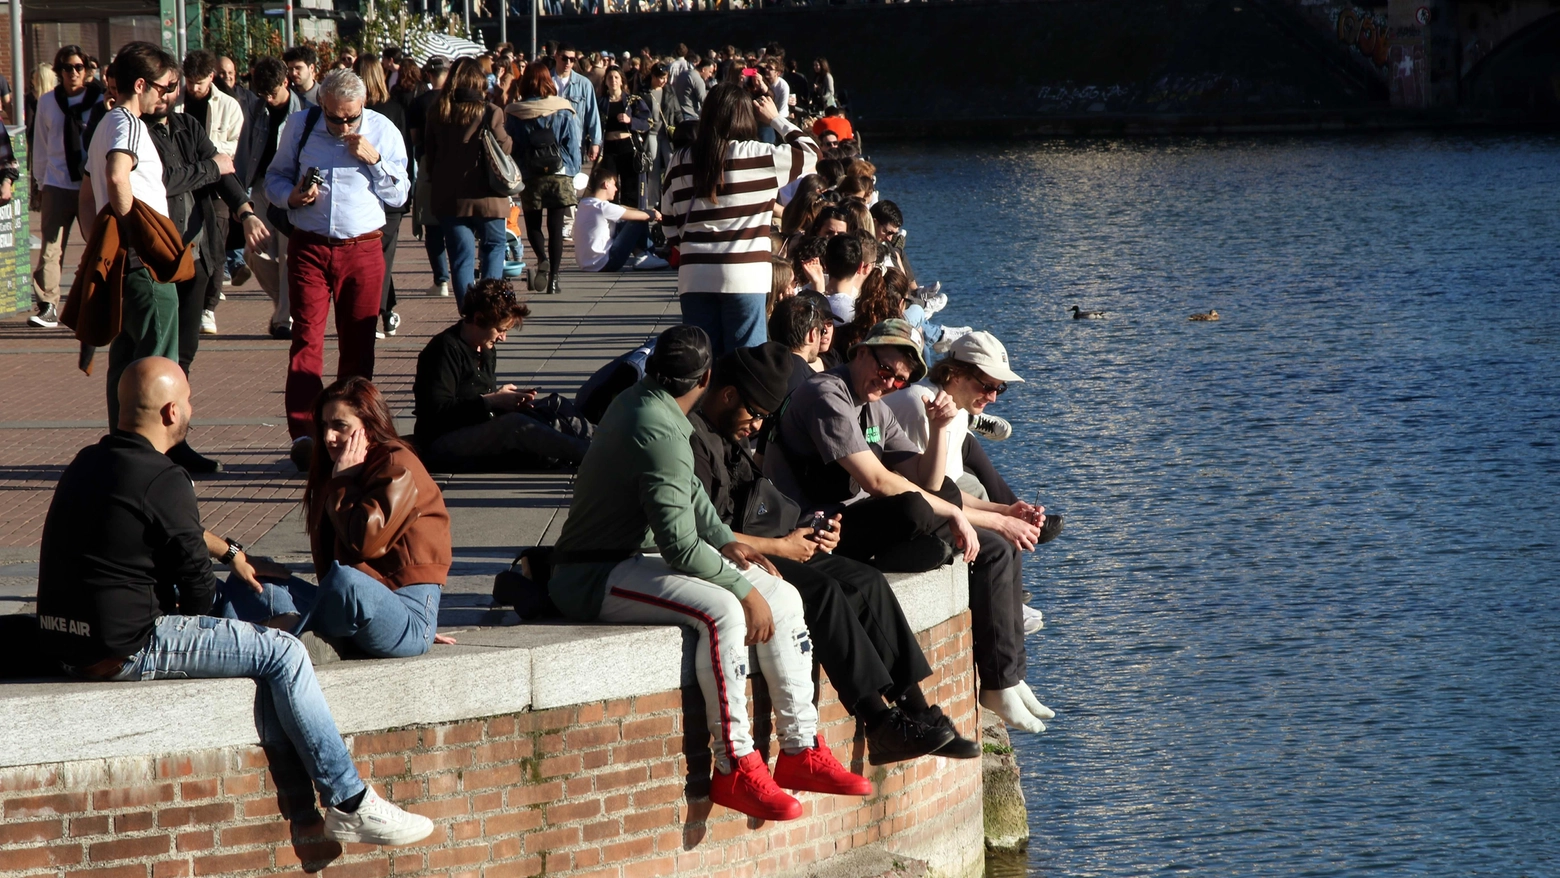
718,207
617,138
378,532
547,135
470,213
823,84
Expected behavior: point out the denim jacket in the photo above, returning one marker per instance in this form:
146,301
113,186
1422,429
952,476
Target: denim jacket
523,117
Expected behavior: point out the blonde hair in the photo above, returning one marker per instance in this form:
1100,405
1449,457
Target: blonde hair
43,80
375,89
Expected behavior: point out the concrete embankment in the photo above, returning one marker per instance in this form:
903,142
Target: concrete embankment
537,749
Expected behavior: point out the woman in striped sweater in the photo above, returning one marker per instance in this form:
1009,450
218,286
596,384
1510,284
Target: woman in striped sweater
717,207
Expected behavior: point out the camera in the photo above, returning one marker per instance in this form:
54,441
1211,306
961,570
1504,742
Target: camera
313,177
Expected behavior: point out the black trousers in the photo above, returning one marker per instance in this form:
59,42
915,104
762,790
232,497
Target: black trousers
192,300
895,533
864,642
979,465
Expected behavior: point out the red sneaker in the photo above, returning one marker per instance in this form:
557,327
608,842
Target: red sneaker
817,771
750,789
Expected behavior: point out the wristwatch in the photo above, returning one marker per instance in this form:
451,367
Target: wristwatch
234,547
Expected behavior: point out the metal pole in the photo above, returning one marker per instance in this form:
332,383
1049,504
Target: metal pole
287,39
532,56
181,34
503,21
18,69
466,12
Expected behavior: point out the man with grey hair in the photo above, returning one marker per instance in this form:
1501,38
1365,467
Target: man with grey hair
336,182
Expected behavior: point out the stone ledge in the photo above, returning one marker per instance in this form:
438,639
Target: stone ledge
493,671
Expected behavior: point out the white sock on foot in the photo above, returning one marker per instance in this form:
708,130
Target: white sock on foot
1007,704
1031,703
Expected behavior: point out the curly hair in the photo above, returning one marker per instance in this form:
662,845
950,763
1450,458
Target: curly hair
491,303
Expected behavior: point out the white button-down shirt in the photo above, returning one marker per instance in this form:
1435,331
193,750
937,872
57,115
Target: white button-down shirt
353,198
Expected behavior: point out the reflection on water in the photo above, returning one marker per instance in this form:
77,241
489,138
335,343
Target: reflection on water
1304,617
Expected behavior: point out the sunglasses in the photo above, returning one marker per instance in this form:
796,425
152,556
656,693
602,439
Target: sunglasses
73,68
342,120
999,388
568,59
886,372
753,411
162,90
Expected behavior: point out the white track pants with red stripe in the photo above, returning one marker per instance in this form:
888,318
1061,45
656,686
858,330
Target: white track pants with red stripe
645,590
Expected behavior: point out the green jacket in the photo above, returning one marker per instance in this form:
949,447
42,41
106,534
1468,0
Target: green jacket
636,491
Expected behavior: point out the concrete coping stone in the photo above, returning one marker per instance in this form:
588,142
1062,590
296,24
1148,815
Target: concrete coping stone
491,671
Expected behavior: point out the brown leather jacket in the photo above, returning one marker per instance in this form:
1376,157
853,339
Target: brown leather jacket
387,520
97,296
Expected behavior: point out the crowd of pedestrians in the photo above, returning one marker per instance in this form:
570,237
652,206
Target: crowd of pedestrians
750,474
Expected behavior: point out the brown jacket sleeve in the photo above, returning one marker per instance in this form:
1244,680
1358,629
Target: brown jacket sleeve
496,125
370,511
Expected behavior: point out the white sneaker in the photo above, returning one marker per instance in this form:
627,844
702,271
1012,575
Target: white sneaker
568,230
650,262
208,323
440,289
1034,620
376,822
950,335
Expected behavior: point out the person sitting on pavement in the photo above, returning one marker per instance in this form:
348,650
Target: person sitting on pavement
125,585
665,557
803,327
378,531
858,629
837,448
848,260
466,422
607,234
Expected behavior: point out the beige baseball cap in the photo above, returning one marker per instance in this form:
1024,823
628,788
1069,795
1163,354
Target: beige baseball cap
984,352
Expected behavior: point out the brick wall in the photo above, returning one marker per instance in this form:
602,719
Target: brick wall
614,788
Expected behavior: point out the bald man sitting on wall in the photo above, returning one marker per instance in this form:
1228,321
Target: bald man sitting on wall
125,581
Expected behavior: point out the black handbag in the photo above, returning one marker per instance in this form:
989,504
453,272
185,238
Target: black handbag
524,585
276,214
766,511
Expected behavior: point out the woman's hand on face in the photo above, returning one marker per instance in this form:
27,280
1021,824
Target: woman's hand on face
355,452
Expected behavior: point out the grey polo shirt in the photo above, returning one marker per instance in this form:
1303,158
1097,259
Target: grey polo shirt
823,422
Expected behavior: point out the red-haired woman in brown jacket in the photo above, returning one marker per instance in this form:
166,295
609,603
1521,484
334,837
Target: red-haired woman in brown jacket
378,531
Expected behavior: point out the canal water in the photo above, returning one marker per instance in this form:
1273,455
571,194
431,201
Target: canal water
1304,618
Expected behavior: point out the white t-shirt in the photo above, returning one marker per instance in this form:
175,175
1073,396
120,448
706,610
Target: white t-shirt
593,231
843,306
909,408
122,132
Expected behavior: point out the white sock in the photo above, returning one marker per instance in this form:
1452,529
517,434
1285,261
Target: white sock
1031,703
1007,704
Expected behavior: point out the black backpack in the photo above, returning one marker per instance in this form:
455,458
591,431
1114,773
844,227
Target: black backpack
543,155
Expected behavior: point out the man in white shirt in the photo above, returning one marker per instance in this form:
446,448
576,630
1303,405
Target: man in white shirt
607,234
56,165
123,167
334,251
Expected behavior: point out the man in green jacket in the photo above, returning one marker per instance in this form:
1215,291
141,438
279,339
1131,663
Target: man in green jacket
643,544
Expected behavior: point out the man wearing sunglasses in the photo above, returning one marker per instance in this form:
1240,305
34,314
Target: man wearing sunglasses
860,633
578,91
837,448
334,252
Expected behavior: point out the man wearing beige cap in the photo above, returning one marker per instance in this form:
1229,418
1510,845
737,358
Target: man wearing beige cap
836,448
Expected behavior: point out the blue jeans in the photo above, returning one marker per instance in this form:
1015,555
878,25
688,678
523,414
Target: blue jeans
731,320
433,239
466,238
347,603
205,647
625,239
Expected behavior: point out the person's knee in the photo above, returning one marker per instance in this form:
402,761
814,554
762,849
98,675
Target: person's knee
785,603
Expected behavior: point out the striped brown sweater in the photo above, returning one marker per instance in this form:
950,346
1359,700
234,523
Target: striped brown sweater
725,243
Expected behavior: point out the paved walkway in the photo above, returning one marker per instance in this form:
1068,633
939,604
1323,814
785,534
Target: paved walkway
49,410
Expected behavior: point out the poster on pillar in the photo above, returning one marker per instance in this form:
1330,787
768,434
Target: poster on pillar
16,239
1408,67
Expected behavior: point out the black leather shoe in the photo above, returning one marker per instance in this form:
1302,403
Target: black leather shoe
281,331
1050,530
194,463
958,748
897,737
553,288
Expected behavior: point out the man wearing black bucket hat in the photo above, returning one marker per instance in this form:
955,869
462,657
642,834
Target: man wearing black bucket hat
837,448
858,628
643,545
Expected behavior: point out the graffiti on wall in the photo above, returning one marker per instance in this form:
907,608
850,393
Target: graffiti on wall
1365,33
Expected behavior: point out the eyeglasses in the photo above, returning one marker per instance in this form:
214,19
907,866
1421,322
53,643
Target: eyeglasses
342,120
162,90
998,389
886,372
753,413
73,68
568,59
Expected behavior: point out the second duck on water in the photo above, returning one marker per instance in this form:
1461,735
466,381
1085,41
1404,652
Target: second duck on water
1079,314
1210,314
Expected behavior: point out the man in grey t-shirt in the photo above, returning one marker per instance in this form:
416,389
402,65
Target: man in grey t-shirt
837,447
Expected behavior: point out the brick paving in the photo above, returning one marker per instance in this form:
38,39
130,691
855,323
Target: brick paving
49,409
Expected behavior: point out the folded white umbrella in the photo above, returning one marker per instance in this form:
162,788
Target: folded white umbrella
452,47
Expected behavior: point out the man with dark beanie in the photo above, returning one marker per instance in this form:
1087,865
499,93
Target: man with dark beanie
643,545
858,628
